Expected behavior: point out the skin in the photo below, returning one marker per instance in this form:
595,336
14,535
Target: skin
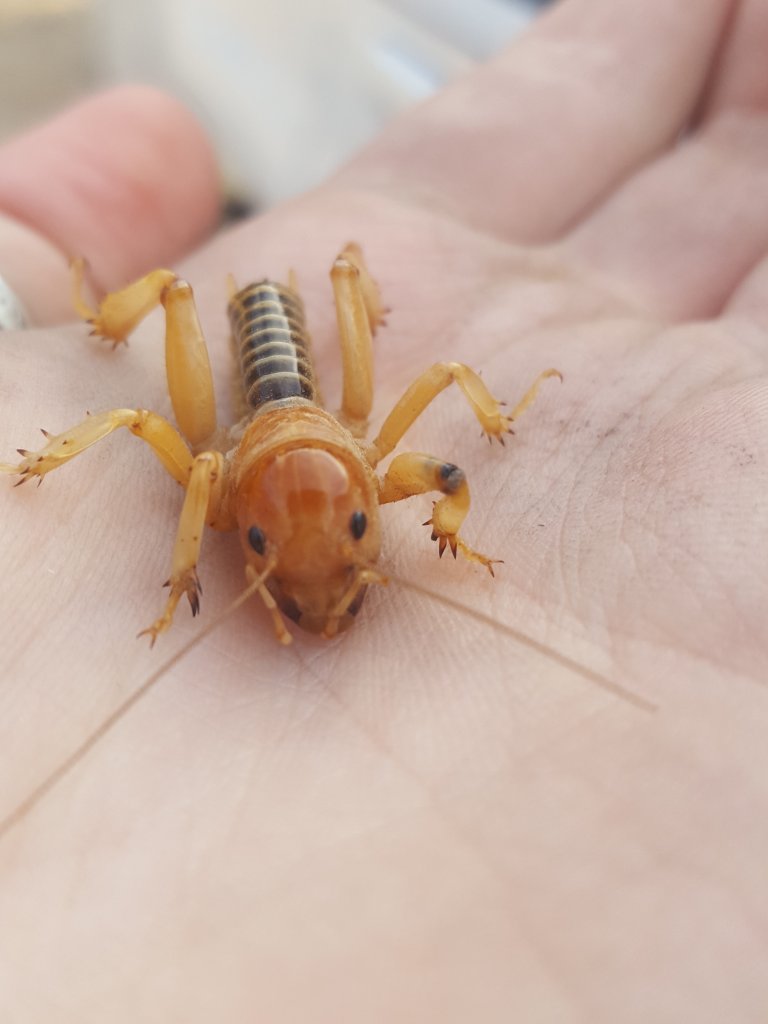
424,820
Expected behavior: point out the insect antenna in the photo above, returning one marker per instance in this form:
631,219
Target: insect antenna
615,689
108,724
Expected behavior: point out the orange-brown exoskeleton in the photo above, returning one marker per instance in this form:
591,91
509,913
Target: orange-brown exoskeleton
297,483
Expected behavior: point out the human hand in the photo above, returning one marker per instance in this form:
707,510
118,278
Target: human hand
426,819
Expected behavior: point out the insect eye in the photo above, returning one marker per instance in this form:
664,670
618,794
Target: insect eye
256,540
357,524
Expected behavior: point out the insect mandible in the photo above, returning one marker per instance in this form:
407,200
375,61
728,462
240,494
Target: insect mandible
296,482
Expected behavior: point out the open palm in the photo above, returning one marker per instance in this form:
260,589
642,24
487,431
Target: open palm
428,819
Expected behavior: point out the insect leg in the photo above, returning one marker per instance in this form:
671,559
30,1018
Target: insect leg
358,312
417,473
164,440
374,307
190,382
188,369
202,501
434,380
121,311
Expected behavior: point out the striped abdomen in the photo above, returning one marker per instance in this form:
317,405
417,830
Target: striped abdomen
272,344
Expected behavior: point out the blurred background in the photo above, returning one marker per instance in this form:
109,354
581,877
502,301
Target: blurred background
286,88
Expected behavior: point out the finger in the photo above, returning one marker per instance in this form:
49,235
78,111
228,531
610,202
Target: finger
750,300
740,79
126,179
679,237
524,145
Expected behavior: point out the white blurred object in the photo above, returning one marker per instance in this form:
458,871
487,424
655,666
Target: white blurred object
290,88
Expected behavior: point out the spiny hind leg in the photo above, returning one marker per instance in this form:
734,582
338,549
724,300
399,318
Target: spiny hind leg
417,473
374,307
428,386
358,312
188,368
164,440
190,382
119,312
203,501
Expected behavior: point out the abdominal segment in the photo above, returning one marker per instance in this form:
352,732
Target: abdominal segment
270,336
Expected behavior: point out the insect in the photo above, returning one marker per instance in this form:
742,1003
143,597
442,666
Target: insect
298,483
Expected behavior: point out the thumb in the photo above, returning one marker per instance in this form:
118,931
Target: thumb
125,178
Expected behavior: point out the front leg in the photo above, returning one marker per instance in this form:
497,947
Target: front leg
203,501
417,473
